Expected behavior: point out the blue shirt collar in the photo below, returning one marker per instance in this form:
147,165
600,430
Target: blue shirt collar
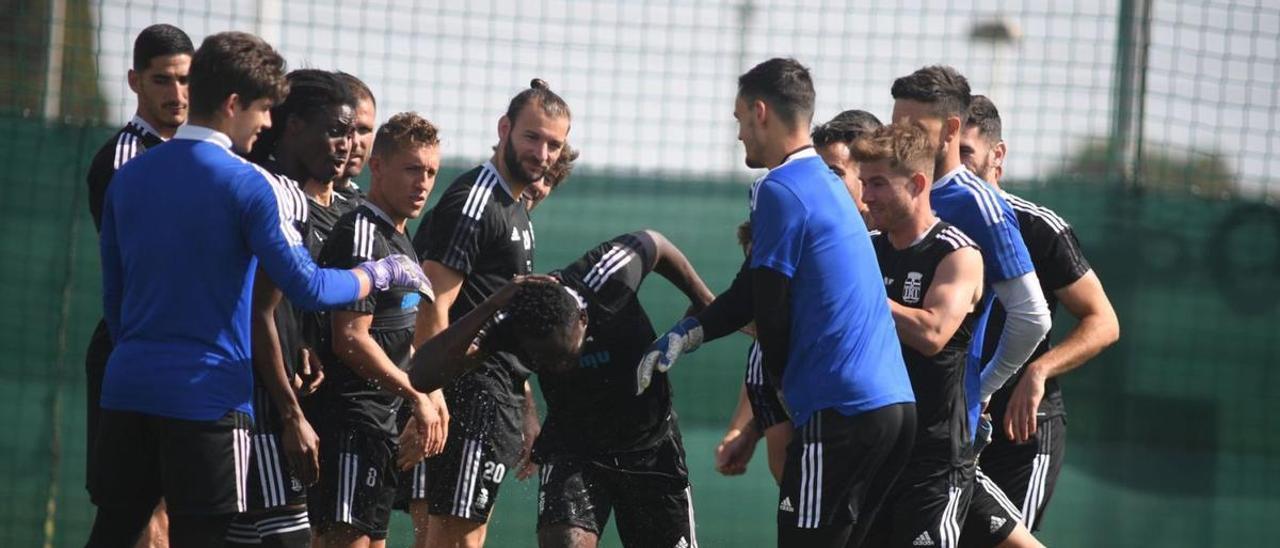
200,133
949,177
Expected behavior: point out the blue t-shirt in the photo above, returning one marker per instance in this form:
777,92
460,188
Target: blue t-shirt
844,352
184,228
966,201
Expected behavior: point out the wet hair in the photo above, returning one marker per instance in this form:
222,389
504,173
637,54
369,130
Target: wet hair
938,85
159,40
984,116
541,309
538,93
312,92
845,128
560,170
905,146
403,131
358,88
784,85
239,63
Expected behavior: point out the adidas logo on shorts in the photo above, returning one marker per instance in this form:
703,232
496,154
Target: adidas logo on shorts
785,505
683,543
996,523
923,540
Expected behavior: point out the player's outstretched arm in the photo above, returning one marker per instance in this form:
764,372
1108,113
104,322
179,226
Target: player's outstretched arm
956,288
301,444
771,292
729,311
1098,328
453,351
352,341
670,263
1027,321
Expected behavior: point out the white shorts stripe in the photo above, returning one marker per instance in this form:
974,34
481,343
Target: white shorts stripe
693,528
1035,488
996,493
240,454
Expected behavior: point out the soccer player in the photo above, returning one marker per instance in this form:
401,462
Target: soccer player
933,275
822,320
479,237
372,341
366,118
758,404
938,97
1028,443
306,147
177,388
603,449
161,60
539,190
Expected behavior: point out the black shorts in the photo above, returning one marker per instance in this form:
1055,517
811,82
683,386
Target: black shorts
926,507
992,516
649,490
357,480
271,482
766,406
198,467
95,367
1028,472
839,469
484,444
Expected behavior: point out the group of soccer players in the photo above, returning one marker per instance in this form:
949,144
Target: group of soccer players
281,364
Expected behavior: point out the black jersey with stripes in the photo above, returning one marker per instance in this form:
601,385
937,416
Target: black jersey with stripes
1059,262
323,217
133,139
345,397
942,430
294,210
592,409
479,229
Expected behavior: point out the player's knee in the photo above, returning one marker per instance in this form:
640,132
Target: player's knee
455,531
1020,538
565,535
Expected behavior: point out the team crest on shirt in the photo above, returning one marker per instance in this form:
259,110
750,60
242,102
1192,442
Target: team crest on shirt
911,288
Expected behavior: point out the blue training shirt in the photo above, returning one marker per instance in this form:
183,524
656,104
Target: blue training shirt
844,347
184,227
966,201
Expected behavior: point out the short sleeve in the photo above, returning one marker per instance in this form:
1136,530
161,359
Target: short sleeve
612,272
456,230
341,251
1060,262
778,221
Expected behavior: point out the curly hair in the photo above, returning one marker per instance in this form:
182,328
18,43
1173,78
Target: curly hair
405,130
560,170
541,309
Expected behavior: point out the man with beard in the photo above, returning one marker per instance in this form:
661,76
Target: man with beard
1029,417
938,98
366,120
307,146
161,60
478,238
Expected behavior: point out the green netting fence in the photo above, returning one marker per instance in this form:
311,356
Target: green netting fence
1154,127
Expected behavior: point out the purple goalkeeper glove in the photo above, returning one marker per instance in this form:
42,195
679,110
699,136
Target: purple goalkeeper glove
398,271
